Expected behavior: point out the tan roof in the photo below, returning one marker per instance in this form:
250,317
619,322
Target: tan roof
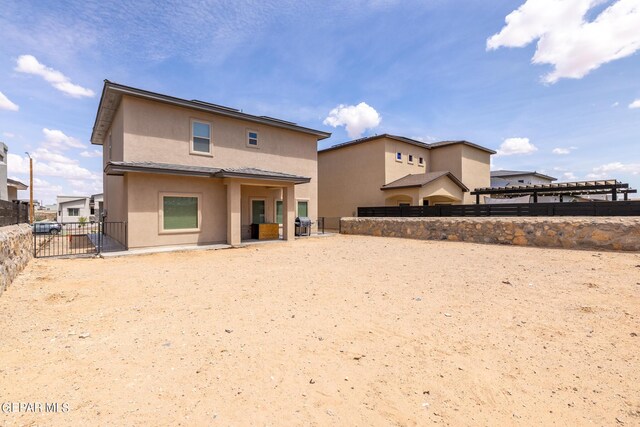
17,184
112,94
410,141
422,179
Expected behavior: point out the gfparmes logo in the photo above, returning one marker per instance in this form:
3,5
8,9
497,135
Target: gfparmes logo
17,407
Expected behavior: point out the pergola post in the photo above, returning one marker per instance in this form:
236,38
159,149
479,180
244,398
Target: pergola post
614,194
477,199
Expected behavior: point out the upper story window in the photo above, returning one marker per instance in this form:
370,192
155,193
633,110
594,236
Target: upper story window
200,137
420,161
252,138
410,159
398,156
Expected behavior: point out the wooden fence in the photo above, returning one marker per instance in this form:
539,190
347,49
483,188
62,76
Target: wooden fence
13,213
619,208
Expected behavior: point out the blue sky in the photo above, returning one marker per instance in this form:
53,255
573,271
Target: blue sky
553,85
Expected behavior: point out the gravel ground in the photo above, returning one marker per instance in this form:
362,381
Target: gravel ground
346,330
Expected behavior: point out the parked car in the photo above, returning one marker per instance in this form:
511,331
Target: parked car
48,227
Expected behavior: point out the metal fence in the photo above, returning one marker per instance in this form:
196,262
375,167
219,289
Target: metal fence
51,239
327,224
618,208
13,213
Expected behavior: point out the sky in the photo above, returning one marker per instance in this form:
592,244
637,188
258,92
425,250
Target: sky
551,85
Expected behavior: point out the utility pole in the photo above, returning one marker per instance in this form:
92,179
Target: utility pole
31,215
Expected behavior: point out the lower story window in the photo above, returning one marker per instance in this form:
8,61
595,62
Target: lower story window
303,208
180,213
73,211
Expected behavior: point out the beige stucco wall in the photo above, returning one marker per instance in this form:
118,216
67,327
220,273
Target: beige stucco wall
393,169
476,171
114,189
156,132
350,177
447,158
441,190
12,193
144,207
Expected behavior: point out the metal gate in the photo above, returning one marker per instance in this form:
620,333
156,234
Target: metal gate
52,239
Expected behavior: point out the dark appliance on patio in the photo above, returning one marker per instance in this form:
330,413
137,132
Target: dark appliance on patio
303,226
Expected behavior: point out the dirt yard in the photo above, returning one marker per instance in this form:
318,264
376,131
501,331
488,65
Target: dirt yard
343,330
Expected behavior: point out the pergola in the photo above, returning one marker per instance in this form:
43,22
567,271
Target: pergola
577,188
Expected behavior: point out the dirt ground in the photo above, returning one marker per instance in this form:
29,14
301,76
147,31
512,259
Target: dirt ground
342,330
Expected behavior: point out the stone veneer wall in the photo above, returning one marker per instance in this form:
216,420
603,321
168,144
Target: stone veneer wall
607,233
16,250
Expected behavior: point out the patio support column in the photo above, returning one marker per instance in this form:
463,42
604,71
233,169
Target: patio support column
234,237
289,212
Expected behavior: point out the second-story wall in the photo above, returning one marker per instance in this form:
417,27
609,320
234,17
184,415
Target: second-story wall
476,170
395,169
350,177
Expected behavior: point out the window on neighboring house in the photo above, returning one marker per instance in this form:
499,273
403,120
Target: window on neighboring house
180,212
252,138
200,137
410,159
420,161
73,211
398,156
303,208
521,181
92,211
279,211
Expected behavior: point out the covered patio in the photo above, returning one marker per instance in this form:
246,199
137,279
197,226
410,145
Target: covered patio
425,189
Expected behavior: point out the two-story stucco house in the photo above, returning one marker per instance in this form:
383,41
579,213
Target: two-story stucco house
190,172
506,178
389,170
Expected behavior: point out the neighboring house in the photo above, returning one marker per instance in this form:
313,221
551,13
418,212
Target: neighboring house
4,150
96,206
506,178
8,187
12,189
389,170
190,172
72,208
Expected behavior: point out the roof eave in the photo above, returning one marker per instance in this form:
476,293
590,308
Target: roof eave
141,93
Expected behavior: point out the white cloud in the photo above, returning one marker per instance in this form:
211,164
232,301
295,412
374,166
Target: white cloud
356,118
57,139
635,104
94,153
512,146
572,45
29,64
6,104
17,164
8,134
569,176
563,150
609,170
615,104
